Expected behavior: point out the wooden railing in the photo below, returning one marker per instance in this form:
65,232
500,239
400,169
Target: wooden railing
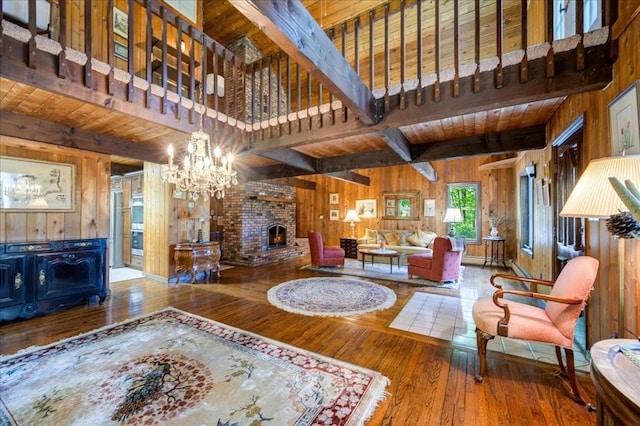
414,46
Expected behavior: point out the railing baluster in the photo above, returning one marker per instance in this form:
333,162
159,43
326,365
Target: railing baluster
87,40
163,14
192,63
387,64
476,74
580,32
524,63
178,64
403,104
436,85
550,26
270,95
456,48
278,89
110,49
62,38
32,50
148,53
130,49
299,91
419,51
499,41
372,53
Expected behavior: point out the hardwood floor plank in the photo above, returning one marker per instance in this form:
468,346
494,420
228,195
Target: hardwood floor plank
431,379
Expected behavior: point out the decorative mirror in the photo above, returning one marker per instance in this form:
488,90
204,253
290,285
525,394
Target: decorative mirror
401,205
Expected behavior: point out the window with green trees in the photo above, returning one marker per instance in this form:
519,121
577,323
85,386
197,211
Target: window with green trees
466,197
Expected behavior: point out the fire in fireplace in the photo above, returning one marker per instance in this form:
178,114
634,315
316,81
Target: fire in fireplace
276,237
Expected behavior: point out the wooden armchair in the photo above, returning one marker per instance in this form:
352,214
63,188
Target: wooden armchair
553,324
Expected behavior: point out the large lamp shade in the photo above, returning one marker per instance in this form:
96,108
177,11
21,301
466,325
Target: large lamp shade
593,195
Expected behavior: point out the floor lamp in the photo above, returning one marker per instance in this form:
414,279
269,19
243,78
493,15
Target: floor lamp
595,197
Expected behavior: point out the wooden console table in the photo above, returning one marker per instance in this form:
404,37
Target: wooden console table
195,257
616,380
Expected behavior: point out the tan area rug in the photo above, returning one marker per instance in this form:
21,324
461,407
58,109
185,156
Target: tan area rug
175,368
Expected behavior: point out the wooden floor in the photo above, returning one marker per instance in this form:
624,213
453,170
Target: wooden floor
431,380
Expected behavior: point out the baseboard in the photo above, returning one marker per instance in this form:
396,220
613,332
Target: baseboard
479,261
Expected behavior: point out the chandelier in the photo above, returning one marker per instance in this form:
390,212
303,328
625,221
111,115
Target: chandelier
204,172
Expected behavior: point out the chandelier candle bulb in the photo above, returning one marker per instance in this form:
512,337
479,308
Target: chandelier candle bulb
170,152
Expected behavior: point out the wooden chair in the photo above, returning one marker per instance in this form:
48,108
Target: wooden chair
322,255
553,324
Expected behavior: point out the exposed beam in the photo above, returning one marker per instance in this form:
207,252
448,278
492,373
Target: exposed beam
399,144
361,160
294,30
293,158
23,126
350,176
566,81
295,182
426,170
492,143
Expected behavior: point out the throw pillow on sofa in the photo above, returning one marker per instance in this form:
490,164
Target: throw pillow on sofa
421,238
392,238
370,235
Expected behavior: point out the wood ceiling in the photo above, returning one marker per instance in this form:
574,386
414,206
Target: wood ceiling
23,105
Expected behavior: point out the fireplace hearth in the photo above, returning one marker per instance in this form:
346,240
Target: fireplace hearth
276,237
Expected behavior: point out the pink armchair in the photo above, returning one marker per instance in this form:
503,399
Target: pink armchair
553,324
443,264
322,255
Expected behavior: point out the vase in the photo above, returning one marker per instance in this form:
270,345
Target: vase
494,231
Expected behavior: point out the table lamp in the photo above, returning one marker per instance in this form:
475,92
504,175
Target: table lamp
352,216
200,214
452,215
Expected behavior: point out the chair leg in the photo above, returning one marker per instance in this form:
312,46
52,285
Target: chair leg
563,370
482,339
572,376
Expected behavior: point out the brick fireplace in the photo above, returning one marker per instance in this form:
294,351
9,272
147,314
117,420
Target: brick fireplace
255,215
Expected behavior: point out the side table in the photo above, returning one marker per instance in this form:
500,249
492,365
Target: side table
616,379
195,257
350,247
496,243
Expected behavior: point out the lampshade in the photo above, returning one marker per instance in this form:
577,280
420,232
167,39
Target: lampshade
593,195
352,216
199,213
453,215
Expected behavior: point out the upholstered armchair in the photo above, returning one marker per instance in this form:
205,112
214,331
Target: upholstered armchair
322,255
553,324
442,264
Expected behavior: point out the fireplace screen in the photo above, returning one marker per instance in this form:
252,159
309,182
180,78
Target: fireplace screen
276,237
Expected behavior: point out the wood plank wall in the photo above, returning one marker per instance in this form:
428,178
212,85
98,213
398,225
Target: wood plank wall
91,216
495,187
603,314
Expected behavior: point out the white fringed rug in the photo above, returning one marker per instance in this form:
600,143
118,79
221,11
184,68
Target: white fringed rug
175,368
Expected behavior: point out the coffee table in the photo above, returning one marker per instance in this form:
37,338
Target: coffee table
391,254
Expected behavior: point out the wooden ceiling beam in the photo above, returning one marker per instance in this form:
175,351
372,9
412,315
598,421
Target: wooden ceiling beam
293,158
426,170
294,30
26,127
295,182
533,137
349,176
395,139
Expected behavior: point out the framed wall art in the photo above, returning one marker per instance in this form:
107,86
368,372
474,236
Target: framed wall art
33,185
120,23
430,207
333,198
120,51
401,205
623,121
367,208
334,214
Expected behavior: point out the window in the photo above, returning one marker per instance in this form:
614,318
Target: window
466,197
526,214
564,17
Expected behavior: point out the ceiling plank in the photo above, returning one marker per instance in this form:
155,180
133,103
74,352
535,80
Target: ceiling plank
491,143
294,30
350,176
22,126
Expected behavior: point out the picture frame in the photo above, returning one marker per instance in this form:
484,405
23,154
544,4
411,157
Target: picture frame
429,207
367,209
401,205
120,23
334,214
120,51
623,121
333,198
35,185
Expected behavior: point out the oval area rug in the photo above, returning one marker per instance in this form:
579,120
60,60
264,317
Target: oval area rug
331,296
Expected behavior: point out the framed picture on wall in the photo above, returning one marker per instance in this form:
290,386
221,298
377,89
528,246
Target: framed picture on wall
623,121
120,51
334,214
34,185
430,207
333,198
120,23
367,208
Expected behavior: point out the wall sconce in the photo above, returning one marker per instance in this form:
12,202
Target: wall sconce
530,170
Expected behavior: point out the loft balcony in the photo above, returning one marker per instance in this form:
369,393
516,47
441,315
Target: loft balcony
403,83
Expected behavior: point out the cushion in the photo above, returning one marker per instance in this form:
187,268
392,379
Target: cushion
371,235
423,260
392,238
421,238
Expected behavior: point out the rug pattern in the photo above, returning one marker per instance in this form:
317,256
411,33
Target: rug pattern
331,296
172,367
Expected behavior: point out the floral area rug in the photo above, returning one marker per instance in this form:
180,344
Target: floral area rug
381,271
175,368
331,296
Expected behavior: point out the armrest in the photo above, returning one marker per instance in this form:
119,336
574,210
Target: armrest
361,241
503,324
518,278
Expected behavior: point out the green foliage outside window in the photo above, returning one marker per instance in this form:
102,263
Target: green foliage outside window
466,197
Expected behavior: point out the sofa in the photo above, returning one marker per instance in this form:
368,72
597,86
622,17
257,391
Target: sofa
403,241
